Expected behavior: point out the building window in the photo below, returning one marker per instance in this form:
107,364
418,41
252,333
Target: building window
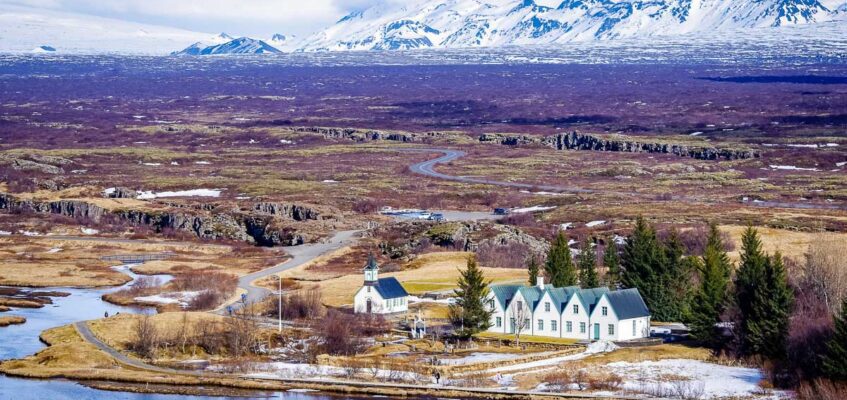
633,328
582,327
569,326
526,323
540,324
520,304
547,306
491,303
575,309
499,322
611,329
605,311
369,289
553,326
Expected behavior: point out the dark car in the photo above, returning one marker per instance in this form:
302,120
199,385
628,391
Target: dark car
501,211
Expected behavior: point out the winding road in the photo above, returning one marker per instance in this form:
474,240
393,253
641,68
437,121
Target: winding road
300,255
426,168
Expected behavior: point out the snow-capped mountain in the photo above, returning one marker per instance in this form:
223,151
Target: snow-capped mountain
283,42
196,48
242,45
478,23
23,29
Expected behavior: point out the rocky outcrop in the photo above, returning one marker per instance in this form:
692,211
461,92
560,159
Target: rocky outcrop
36,162
360,135
577,141
121,193
264,225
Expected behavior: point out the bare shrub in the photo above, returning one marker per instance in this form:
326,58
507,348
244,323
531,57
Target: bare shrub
511,255
366,206
242,333
826,271
566,378
610,382
301,304
679,389
147,338
822,389
339,334
215,286
694,239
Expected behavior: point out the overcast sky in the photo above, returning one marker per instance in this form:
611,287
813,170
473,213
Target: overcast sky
259,18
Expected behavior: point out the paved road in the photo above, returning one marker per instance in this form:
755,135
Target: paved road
299,255
86,334
426,168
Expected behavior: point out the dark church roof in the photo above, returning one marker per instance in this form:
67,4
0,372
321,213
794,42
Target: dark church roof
371,265
390,288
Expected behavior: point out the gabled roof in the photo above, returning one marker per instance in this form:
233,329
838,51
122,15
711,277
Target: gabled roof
628,304
390,288
531,294
371,264
560,296
504,293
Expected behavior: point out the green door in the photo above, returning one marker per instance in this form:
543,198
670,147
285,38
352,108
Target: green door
596,331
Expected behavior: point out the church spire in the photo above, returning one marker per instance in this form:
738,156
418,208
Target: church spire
371,270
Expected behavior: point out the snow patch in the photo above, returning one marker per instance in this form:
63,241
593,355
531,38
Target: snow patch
716,380
89,231
5,233
532,209
54,250
181,298
595,223
791,168
202,162
149,195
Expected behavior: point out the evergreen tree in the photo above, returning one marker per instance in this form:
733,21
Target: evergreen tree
560,268
470,311
676,278
772,303
710,300
587,263
835,359
612,262
533,269
748,280
643,263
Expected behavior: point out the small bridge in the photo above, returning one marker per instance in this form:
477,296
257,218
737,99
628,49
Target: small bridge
137,258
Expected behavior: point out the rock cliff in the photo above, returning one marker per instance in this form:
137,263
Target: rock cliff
264,224
577,141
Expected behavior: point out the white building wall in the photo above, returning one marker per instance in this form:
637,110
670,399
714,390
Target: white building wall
547,317
577,320
378,304
497,312
510,314
634,328
609,327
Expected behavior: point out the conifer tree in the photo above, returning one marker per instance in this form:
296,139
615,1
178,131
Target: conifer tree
643,263
560,268
470,312
772,304
710,299
835,359
676,277
587,263
612,262
533,270
748,280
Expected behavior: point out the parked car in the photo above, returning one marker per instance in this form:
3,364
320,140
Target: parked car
438,217
501,211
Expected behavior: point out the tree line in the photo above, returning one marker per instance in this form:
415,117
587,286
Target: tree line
794,321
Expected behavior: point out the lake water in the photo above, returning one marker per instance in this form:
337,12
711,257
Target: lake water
18,341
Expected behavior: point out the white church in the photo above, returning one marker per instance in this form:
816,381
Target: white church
569,312
380,295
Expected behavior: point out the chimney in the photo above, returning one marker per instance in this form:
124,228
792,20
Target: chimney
540,282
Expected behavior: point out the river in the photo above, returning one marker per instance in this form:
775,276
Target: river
18,341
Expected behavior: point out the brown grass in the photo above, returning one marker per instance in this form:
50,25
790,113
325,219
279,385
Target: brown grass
20,303
433,270
11,320
792,244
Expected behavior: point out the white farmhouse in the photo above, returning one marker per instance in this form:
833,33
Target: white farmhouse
379,295
569,312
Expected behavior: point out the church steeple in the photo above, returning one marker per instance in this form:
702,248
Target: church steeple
371,270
